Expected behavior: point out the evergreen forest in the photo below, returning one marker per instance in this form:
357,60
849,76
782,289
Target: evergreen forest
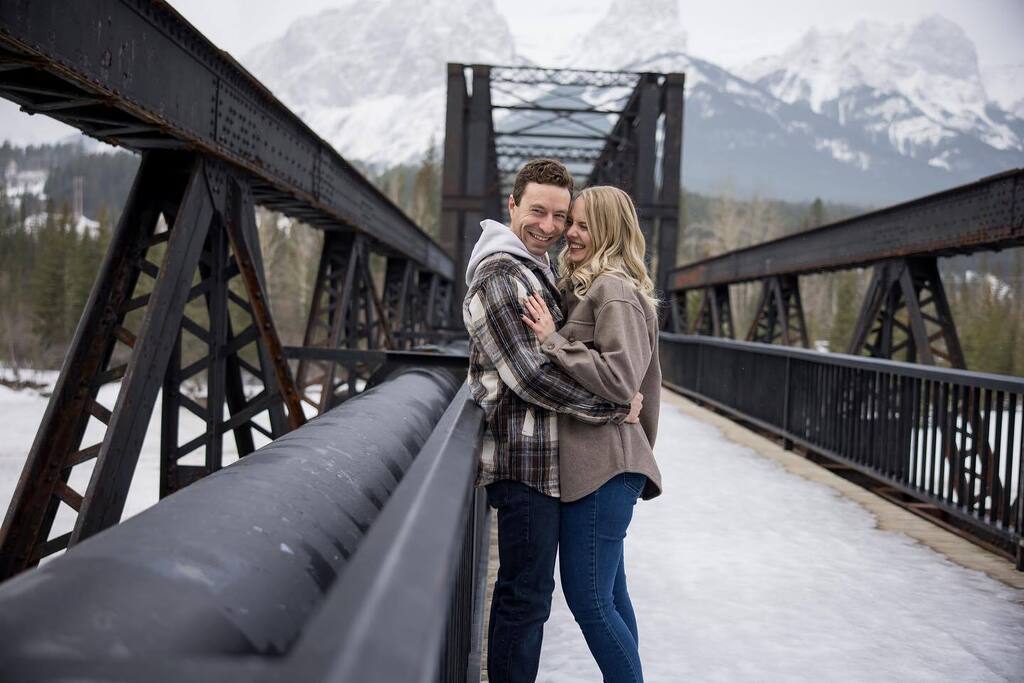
48,261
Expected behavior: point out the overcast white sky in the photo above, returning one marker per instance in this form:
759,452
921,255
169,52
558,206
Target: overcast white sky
727,32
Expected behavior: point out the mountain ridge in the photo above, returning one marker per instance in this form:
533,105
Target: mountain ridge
796,125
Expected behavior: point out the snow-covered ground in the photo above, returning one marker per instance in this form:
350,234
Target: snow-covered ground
742,571
22,411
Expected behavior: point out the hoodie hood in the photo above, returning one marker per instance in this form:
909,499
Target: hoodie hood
498,237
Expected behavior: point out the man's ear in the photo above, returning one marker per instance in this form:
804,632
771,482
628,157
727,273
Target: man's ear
511,204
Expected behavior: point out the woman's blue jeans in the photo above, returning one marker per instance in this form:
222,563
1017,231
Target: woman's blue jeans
593,574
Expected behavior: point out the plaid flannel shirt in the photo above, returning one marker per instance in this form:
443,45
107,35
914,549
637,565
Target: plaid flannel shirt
519,389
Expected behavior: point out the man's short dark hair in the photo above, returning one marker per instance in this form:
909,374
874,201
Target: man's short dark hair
542,172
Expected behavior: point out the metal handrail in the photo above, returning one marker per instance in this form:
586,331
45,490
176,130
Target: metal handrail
397,612
352,549
947,443
982,380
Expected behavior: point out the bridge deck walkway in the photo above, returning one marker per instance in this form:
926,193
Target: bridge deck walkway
757,565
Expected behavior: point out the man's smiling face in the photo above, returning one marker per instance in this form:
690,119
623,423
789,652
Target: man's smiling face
539,218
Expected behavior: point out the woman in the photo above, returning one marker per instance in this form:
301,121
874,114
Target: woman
609,344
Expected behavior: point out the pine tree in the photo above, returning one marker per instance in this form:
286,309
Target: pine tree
49,285
426,210
816,215
83,267
846,304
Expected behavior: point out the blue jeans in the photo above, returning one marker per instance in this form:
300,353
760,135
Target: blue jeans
527,545
594,577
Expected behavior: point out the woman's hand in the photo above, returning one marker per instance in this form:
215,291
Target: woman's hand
538,317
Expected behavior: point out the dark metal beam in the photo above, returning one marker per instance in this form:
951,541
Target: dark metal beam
671,183
982,216
240,225
470,185
25,533
118,456
414,543
558,110
910,290
533,75
148,66
237,565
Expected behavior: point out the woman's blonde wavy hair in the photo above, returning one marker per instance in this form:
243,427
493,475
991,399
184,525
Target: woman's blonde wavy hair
618,244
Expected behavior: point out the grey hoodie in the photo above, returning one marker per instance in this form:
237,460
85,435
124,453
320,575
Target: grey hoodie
498,237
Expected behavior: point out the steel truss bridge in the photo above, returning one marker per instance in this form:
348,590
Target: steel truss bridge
354,546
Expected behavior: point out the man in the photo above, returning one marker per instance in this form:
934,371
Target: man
521,393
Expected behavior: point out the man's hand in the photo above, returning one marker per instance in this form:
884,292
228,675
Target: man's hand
635,406
538,317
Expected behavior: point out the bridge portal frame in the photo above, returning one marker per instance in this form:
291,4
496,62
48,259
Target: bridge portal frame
641,152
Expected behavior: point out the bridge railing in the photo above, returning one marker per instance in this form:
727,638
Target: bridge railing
410,604
354,548
948,444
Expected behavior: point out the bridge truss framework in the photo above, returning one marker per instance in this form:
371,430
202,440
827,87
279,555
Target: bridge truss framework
608,127
184,262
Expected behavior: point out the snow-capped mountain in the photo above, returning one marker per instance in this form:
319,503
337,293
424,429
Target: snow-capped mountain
628,32
370,77
739,133
916,87
874,115
1004,83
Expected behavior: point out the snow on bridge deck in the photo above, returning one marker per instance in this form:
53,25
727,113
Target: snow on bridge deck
745,571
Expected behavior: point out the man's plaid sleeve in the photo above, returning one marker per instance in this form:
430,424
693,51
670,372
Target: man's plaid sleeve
515,352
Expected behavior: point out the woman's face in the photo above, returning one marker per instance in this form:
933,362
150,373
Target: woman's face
581,246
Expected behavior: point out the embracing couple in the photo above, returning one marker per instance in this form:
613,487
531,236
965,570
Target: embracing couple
562,363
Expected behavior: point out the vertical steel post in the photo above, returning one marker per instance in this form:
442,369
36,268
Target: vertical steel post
453,184
479,172
645,139
240,224
669,221
115,463
57,448
787,442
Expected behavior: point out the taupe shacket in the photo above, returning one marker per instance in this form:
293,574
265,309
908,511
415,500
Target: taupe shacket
609,344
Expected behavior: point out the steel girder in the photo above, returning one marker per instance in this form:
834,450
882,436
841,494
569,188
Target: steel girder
351,311
144,78
618,128
633,160
410,301
985,215
238,567
130,331
536,75
469,190
233,361
780,313
906,310
345,312
714,316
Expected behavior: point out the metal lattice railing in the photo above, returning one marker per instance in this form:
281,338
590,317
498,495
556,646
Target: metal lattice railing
947,443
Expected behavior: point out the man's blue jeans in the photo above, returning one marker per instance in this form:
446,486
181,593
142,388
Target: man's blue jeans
527,544
594,577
